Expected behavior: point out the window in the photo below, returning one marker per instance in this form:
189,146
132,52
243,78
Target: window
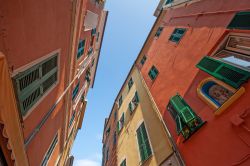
236,52
153,73
169,1
143,60
93,32
90,51
107,155
130,83
158,32
177,34
81,46
120,123
114,139
133,104
225,72
97,37
72,119
88,75
50,151
240,21
123,163
120,101
187,122
75,91
143,143
115,115
108,131
217,94
93,62
34,82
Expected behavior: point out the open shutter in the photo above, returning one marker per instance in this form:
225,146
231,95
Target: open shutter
183,110
227,73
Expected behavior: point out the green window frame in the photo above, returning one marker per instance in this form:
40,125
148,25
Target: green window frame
133,104
143,143
75,91
187,122
90,51
120,101
33,83
177,34
153,73
130,83
143,60
123,163
88,75
93,32
81,46
169,1
114,139
241,20
50,151
158,32
72,119
225,72
120,123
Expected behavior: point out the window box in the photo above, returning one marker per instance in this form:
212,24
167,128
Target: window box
187,122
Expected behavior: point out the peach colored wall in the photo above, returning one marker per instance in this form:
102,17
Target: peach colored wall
217,142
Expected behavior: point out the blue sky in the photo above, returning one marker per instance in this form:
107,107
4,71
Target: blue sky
129,23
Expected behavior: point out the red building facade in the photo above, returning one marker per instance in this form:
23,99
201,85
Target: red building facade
200,49
51,50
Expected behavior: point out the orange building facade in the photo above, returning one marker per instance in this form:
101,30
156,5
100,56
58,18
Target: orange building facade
196,65
49,53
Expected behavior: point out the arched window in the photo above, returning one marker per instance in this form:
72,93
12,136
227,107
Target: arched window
217,94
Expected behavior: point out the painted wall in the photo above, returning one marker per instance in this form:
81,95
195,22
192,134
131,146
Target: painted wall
218,142
127,146
30,31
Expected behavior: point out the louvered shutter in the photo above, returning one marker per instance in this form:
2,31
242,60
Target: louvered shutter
225,72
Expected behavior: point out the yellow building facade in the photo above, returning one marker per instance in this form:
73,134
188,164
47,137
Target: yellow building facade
142,138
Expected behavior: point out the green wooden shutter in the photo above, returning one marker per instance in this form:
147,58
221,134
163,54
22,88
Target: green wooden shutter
123,163
143,142
159,30
31,84
153,72
177,34
225,72
183,110
240,21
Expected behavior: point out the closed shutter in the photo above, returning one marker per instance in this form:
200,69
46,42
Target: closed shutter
227,73
143,142
177,34
75,91
159,30
240,21
31,84
81,47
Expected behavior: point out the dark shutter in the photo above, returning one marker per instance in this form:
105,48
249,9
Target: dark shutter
227,73
240,21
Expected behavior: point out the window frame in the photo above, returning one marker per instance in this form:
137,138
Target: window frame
155,71
149,142
16,73
174,34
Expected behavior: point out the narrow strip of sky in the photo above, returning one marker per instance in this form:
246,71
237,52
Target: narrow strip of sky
129,23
